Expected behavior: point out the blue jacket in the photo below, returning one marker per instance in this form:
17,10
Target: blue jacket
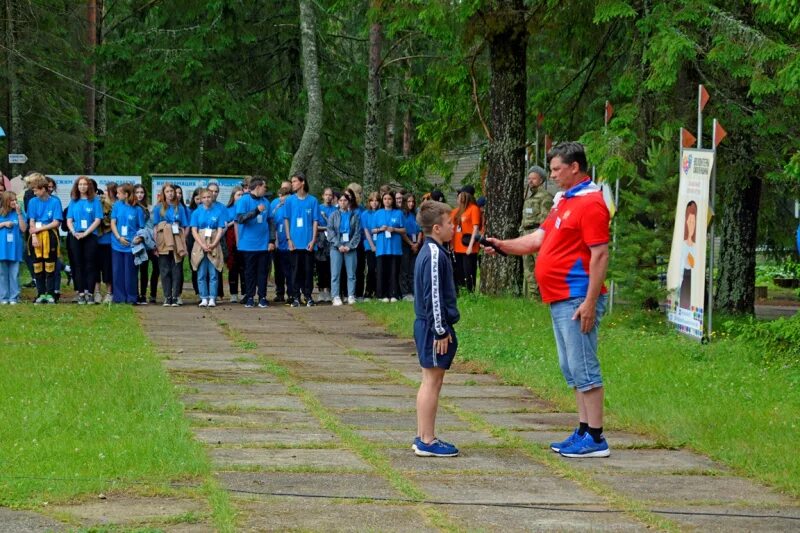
435,289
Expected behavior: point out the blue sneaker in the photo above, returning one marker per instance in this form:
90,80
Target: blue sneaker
587,447
416,443
436,448
248,303
262,303
557,446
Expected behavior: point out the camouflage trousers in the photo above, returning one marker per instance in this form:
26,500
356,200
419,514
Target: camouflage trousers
530,289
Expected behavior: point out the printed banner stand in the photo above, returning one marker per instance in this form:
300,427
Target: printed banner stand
686,275
189,182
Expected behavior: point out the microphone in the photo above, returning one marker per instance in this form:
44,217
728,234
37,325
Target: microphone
481,239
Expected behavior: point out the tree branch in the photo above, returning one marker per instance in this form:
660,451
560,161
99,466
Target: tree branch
475,92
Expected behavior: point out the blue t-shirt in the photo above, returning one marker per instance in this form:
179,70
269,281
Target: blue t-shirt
83,213
253,234
412,228
211,218
276,211
10,238
344,224
222,212
170,216
394,244
366,226
325,212
301,215
129,219
45,211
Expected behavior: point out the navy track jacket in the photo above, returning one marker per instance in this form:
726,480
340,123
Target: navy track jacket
435,288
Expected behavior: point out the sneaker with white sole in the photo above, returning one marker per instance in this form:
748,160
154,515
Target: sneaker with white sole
393,300
98,298
203,303
212,302
385,300
109,298
586,447
337,301
234,298
557,446
351,300
435,448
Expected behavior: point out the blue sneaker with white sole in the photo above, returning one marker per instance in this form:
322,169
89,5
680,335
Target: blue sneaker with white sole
557,446
587,447
436,448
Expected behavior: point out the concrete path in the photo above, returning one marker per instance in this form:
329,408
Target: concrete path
308,416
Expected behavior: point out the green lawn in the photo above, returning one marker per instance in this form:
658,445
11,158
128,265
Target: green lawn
719,399
85,400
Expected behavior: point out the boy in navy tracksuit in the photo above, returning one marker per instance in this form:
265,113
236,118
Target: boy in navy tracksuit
436,313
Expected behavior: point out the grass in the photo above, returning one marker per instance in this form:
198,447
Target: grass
719,399
86,408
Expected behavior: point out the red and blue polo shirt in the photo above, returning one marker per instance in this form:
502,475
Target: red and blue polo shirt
579,220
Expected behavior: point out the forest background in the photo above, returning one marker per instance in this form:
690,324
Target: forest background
378,91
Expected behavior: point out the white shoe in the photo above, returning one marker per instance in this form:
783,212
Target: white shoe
351,300
385,300
234,298
393,300
337,301
325,296
180,300
212,302
108,299
203,303
98,298
408,298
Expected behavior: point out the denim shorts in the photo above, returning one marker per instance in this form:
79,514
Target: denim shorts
577,351
428,358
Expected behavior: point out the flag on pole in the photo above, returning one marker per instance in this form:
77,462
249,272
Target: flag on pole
548,143
704,97
609,112
719,134
687,139
539,119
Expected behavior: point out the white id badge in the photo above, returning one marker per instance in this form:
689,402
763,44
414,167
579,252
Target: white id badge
345,236
458,229
84,224
207,232
9,237
38,225
387,234
529,210
175,228
123,231
414,238
299,222
259,218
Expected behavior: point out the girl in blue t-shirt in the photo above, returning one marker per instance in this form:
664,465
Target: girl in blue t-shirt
12,227
127,219
411,243
301,212
387,230
44,217
233,258
208,225
373,203
322,253
146,278
84,215
170,223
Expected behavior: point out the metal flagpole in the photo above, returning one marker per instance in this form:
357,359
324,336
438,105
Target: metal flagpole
699,116
613,287
713,195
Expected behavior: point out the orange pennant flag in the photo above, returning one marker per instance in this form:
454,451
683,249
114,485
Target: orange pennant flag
704,97
687,139
609,111
539,120
548,143
719,134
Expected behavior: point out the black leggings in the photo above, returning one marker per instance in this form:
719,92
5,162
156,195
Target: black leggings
466,269
236,273
388,276
45,262
303,270
84,262
372,270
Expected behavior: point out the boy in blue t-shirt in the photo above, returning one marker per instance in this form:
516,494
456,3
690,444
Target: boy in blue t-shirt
284,278
256,239
301,216
44,218
436,313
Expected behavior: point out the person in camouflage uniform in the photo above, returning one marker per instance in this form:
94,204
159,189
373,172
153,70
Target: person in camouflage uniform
534,210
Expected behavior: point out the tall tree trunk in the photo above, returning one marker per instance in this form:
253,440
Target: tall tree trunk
91,34
15,135
101,119
408,124
506,154
373,96
391,116
737,263
313,124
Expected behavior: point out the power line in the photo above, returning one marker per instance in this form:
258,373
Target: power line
78,82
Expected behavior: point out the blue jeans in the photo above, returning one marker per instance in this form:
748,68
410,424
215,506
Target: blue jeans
9,281
350,259
207,279
125,277
577,351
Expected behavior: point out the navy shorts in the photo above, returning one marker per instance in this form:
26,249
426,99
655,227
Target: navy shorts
424,338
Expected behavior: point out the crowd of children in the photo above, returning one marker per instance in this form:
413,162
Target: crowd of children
351,246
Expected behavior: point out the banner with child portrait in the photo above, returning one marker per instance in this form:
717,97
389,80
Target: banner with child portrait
686,275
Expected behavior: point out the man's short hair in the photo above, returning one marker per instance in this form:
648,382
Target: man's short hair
569,152
430,213
536,169
36,181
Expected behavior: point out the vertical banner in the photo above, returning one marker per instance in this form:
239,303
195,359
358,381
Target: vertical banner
687,260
